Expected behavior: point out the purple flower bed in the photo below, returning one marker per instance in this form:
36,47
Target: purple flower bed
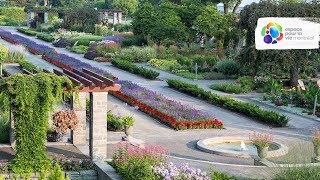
75,63
26,42
116,39
170,171
175,109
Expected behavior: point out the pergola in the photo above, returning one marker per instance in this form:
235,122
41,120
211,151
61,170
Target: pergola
98,87
103,14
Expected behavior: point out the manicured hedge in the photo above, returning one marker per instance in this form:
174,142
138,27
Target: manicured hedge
129,66
45,37
85,40
26,31
248,109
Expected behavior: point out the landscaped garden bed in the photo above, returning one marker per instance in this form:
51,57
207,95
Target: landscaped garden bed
141,71
29,44
49,54
170,112
248,109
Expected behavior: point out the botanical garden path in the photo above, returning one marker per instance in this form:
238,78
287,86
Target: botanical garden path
182,143
297,125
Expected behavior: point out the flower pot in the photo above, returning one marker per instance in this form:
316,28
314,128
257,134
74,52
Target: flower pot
54,136
317,151
262,152
128,130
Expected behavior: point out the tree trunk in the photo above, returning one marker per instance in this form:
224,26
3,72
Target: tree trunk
294,76
226,8
236,7
45,2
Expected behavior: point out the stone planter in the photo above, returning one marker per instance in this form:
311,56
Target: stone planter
128,130
317,151
262,152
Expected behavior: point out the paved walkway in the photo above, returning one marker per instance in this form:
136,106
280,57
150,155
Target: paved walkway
182,143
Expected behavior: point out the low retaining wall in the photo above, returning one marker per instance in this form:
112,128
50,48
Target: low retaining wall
106,172
86,174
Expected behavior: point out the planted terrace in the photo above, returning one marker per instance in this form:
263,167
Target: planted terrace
172,113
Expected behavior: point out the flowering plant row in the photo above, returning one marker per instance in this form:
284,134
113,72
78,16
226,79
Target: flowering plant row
49,54
30,45
70,63
170,112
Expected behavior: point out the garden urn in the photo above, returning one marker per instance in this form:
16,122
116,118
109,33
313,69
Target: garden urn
262,151
128,130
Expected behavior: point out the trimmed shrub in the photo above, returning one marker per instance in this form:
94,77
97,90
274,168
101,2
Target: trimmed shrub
45,37
137,54
134,41
85,40
26,31
228,67
122,27
248,109
247,81
141,71
101,30
80,49
48,27
27,65
91,55
213,76
230,88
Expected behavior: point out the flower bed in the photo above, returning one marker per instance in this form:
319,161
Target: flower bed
30,45
248,109
50,55
71,63
170,112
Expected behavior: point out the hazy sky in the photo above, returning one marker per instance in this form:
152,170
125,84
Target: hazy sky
244,2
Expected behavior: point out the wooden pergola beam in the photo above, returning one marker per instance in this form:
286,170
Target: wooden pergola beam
83,80
91,78
74,81
107,81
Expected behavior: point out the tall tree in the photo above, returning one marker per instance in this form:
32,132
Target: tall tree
128,6
290,59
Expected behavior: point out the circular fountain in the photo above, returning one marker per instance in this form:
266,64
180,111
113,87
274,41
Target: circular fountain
238,147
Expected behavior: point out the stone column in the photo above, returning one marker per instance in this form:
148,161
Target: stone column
98,133
30,18
46,18
79,107
115,15
120,17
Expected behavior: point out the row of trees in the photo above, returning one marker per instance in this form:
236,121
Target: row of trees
181,22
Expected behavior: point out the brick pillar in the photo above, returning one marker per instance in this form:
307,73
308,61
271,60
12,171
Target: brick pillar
46,18
30,18
79,106
98,133
120,17
115,15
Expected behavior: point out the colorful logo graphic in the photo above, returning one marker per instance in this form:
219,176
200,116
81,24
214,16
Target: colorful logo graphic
272,33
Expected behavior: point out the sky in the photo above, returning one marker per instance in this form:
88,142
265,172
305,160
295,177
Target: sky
244,2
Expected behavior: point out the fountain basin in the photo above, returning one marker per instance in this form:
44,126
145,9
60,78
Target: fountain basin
230,146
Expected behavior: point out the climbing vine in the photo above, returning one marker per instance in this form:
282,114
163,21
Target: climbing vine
32,97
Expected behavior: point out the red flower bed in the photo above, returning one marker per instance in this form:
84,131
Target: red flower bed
214,123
